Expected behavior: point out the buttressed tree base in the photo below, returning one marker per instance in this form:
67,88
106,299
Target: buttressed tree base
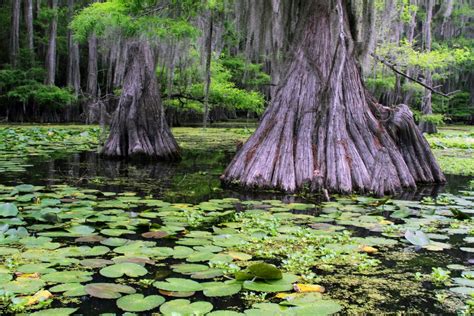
323,130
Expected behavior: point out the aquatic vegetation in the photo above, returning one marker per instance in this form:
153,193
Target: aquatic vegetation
453,148
60,239
17,144
145,250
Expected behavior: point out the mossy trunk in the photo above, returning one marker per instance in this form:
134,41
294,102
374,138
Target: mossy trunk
323,131
138,126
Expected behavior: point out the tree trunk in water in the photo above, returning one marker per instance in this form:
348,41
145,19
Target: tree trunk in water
323,131
51,55
426,107
29,29
137,126
73,66
15,33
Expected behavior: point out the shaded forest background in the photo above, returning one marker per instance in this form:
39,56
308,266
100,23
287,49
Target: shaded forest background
207,72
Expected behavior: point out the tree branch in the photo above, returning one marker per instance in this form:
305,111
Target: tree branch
394,68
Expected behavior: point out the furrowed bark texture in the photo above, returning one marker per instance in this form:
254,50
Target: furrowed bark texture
324,131
137,126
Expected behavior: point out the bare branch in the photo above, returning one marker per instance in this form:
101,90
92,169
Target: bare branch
394,68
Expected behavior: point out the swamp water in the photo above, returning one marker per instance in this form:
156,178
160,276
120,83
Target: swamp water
84,235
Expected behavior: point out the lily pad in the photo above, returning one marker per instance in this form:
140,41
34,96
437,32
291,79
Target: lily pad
178,285
68,277
69,289
139,303
218,289
8,210
282,285
120,269
108,290
265,271
185,307
55,312
24,286
417,238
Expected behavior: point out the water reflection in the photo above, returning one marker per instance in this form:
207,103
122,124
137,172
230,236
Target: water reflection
194,179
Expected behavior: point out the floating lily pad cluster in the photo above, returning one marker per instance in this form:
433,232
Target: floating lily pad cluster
19,143
151,255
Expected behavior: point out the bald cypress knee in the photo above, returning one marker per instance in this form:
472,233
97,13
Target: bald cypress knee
323,130
138,127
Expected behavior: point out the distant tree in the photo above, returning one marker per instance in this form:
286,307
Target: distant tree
139,126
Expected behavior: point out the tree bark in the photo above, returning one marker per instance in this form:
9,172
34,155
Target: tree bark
51,54
323,131
426,106
15,33
137,126
207,81
29,29
92,107
73,63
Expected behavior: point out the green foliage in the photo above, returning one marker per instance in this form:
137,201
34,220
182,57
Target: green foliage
459,106
25,87
223,89
380,83
135,19
244,73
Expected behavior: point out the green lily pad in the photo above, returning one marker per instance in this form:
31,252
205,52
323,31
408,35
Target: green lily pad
464,282
417,238
69,289
282,285
186,268
42,268
81,230
182,252
8,210
68,277
139,303
218,289
24,286
120,269
108,290
462,290
55,312
208,274
178,285
5,251
265,271
185,307
225,313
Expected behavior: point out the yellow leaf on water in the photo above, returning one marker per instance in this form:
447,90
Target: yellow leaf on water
35,275
305,288
39,297
283,295
368,249
385,222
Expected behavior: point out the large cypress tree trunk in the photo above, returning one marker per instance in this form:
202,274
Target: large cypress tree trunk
138,126
323,131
